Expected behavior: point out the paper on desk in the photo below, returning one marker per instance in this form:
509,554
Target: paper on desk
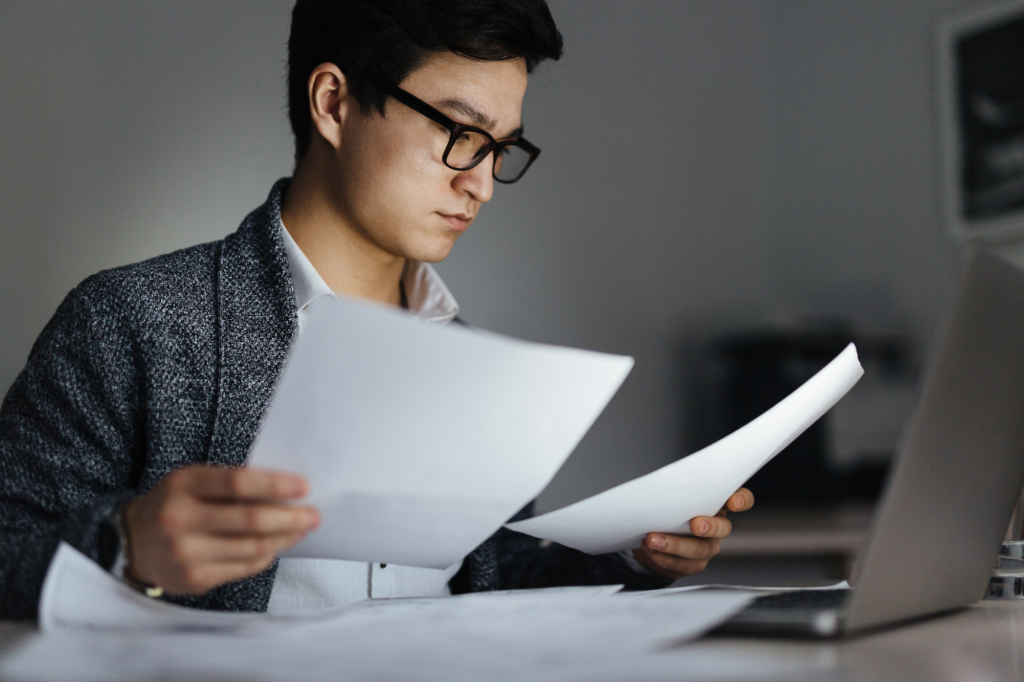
79,595
665,500
377,656
574,633
419,441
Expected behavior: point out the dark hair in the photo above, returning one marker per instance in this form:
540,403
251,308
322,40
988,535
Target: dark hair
389,39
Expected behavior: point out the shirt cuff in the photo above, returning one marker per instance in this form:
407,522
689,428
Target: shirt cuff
119,563
116,521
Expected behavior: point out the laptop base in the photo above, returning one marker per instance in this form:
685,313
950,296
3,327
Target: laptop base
798,613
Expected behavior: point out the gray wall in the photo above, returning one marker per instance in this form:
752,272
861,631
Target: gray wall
704,164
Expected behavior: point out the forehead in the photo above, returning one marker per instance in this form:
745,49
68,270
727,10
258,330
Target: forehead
495,89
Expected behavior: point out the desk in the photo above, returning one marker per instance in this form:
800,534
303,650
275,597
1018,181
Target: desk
985,642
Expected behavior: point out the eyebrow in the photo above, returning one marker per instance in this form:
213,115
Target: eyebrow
475,116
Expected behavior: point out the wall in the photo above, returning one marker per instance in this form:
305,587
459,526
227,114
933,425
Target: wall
704,163
853,206
128,130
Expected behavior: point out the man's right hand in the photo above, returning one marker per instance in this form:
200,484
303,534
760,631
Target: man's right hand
204,526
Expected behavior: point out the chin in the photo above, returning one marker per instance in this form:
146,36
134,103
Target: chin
433,250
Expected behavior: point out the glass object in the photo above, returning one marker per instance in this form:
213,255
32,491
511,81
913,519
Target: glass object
1007,580
468,146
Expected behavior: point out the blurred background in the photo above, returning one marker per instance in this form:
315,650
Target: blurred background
729,192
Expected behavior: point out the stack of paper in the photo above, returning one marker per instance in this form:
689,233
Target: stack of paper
94,628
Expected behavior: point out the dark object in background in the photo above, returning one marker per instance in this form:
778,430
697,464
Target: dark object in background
990,65
763,366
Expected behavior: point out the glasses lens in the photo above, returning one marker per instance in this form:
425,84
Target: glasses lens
510,163
467,151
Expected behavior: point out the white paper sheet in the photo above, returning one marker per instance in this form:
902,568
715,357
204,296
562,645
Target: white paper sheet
667,499
420,441
572,633
323,657
79,595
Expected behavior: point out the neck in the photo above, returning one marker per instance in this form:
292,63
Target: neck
350,264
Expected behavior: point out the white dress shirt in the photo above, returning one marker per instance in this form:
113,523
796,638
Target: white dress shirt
320,583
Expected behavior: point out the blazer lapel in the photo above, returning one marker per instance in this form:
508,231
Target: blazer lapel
256,325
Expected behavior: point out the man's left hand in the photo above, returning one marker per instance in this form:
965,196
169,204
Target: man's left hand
675,556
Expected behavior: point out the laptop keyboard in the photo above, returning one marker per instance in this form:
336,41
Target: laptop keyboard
803,599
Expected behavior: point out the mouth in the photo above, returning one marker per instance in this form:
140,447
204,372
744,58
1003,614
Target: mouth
457,221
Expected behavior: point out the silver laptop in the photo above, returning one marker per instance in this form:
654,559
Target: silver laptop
956,477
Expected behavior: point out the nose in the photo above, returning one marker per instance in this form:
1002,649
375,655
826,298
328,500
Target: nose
478,181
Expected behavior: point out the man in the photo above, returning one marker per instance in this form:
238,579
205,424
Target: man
126,432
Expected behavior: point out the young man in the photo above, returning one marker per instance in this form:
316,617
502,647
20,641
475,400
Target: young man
126,432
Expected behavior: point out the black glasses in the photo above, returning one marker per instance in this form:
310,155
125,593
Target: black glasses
468,146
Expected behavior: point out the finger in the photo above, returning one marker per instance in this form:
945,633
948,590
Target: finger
711,526
668,565
254,519
218,483
204,577
686,548
201,549
741,500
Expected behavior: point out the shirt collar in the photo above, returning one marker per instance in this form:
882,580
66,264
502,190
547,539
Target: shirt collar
426,295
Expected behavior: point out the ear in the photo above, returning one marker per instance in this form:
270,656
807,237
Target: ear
328,102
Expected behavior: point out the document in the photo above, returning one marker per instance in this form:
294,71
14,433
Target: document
420,441
700,484
79,595
94,628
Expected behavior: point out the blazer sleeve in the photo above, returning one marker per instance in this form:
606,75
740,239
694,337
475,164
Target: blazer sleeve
68,430
513,561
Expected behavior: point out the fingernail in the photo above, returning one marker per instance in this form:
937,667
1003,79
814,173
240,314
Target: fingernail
703,527
656,541
313,520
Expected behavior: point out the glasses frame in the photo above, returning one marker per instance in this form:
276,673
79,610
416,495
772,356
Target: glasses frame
455,129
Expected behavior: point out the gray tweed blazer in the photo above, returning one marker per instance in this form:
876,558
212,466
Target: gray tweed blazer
154,366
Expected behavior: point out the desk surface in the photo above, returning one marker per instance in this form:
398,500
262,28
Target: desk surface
985,642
